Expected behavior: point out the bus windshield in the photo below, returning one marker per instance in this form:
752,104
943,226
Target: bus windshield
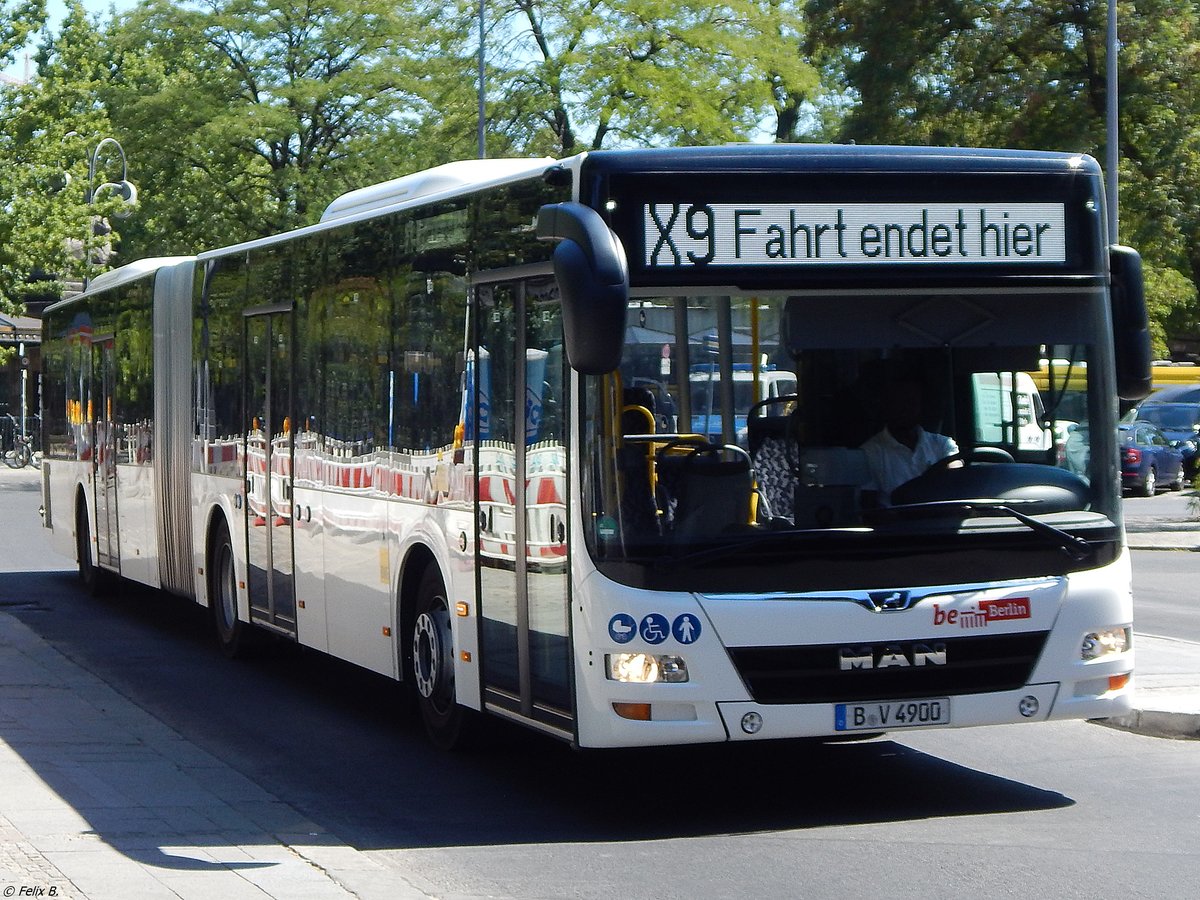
739,426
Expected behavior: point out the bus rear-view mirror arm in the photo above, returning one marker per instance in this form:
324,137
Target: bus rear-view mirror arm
1131,329
593,279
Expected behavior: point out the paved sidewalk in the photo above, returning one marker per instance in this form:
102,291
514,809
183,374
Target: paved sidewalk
100,800
1168,669
1154,535
1166,688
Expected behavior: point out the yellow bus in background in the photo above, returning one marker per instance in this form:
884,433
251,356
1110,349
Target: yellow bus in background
1065,376
1173,374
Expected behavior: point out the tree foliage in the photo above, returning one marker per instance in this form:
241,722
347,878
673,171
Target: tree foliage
1033,75
261,112
245,117
582,76
48,127
18,20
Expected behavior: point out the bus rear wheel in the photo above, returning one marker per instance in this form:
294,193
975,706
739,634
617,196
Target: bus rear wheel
432,665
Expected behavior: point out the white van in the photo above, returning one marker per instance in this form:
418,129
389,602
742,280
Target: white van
994,394
705,392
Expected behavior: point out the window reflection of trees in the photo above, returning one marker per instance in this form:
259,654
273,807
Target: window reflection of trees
71,400
380,324
217,358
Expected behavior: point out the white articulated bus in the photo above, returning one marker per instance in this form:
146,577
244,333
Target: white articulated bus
422,436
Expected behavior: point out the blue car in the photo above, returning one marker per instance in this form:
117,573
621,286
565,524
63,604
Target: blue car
1180,424
1148,460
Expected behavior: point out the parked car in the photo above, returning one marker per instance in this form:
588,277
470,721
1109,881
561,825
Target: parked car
1148,461
1180,424
1175,393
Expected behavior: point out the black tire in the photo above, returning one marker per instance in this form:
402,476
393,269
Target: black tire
233,635
90,574
22,455
431,660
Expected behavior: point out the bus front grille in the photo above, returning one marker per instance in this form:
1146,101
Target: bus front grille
933,667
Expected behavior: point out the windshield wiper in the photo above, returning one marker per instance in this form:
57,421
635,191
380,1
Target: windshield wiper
1075,547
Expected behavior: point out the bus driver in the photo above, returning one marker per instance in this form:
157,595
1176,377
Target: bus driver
902,449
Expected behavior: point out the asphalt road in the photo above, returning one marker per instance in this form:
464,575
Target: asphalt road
1166,584
1166,593
1064,809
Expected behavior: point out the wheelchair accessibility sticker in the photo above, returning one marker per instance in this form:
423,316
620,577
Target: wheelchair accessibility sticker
654,628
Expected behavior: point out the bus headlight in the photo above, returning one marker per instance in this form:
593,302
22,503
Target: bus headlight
1106,641
646,668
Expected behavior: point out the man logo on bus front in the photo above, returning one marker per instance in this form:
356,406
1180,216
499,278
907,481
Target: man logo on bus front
886,601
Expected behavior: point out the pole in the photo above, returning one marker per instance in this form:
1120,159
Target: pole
24,385
482,105
1110,161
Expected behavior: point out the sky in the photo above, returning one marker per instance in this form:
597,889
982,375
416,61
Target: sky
56,10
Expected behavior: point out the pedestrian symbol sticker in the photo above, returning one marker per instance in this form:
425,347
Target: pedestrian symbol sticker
622,628
686,628
655,628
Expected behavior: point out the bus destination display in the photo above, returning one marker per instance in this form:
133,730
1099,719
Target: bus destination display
681,235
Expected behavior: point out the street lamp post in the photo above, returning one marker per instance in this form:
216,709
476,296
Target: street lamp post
1110,156
24,385
482,140
124,189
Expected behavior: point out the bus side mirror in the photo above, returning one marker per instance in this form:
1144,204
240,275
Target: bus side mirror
1131,329
593,278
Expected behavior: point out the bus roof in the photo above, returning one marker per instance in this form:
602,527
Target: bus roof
139,268
441,182
842,158
446,179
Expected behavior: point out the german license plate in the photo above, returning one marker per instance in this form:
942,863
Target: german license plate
891,714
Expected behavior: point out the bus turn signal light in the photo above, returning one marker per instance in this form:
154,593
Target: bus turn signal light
638,711
1117,682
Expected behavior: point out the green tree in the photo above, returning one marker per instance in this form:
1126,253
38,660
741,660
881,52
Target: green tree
49,126
1025,74
18,21
572,77
246,116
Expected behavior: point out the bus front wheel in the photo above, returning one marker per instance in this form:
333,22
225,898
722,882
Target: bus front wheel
432,662
222,595
89,573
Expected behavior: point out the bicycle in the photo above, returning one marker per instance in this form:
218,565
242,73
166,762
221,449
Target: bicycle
21,453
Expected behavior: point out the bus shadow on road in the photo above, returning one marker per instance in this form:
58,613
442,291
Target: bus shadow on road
296,743
696,791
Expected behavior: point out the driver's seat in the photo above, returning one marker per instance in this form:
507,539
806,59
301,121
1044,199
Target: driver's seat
830,481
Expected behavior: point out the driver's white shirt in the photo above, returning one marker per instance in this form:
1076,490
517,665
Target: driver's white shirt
891,463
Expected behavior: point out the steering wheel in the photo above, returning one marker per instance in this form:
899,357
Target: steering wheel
978,455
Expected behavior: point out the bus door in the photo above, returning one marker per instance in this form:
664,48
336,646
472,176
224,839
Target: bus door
104,452
268,507
521,471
